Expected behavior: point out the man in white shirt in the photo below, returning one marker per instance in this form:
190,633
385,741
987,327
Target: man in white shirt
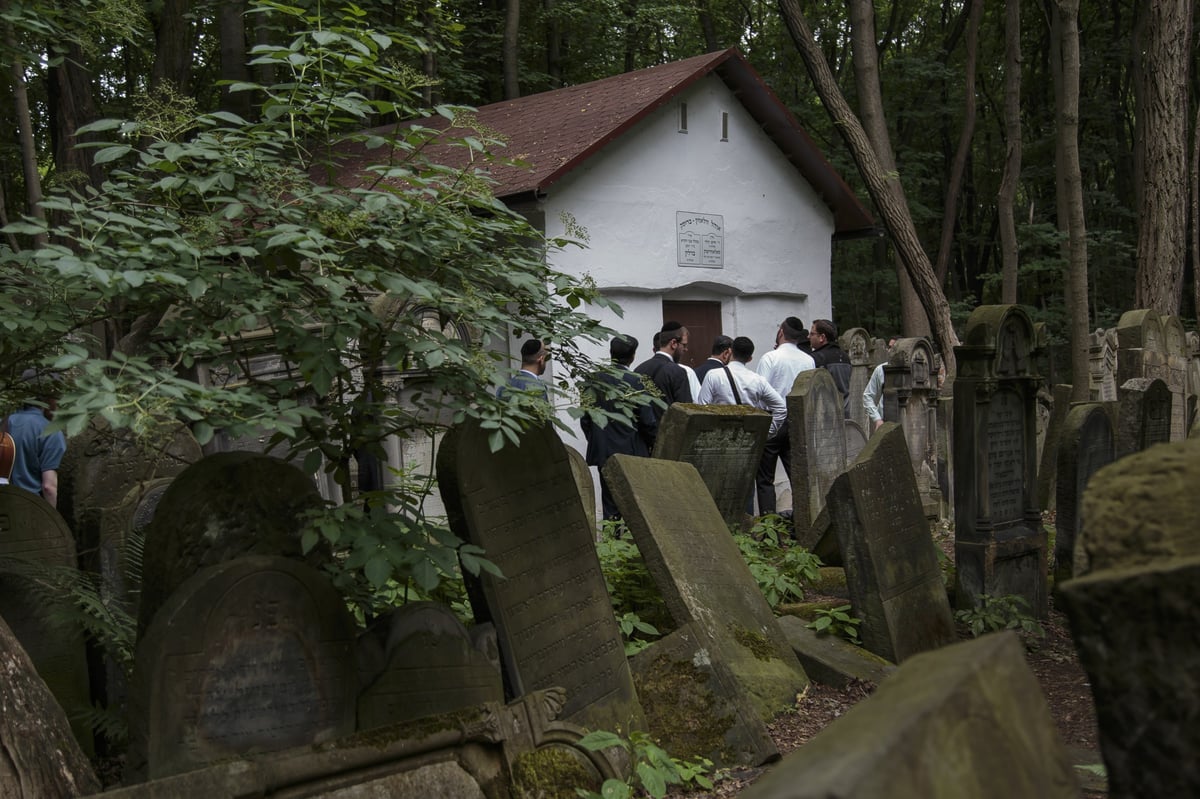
780,367
873,394
752,389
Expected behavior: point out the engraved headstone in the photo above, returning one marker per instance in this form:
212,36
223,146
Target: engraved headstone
1000,544
34,536
1152,348
856,439
1086,445
888,553
856,343
1102,365
1177,368
226,505
552,612
723,442
255,654
695,707
431,668
702,577
910,394
815,419
583,482
1143,415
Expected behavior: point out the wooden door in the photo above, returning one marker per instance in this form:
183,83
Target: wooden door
703,321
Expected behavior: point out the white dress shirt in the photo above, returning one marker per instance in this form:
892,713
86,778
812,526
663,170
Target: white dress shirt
781,365
754,390
873,395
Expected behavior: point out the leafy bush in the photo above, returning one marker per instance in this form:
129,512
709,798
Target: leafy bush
653,768
638,606
836,621
780,569
995,613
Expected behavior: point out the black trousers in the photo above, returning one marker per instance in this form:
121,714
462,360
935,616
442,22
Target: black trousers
778,447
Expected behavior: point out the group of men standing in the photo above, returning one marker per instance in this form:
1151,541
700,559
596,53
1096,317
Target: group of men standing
725,378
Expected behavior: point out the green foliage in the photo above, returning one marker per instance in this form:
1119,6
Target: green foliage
996,613
836,621
653,768
780,569
636,601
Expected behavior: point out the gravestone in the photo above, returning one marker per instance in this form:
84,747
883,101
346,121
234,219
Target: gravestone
432,668
1102,365
583,482
35,538
702,577
1193,376
856,343
892,571
1177,369
856,439
968,720
254,654
1048,458
1086,445
1143,415
552,613
1152,347
723,442
695,707
945,447
910,394
1134,627
226,505
1000,544
815,426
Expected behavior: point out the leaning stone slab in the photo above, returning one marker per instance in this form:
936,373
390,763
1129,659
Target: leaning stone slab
1135,631
695,706
552,612
1141,508
723,442
967,721
1085,446
817,432
255,654
831,661
702,577
888,553
1144,415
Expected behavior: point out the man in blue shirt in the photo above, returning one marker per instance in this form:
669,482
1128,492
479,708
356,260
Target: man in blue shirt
38,454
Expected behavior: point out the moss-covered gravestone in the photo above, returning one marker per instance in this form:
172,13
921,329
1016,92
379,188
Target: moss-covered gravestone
1154,347
910,393
888,553
1143,415
815,416
255,654
723,442
702,577
968,721
552,612
1085,445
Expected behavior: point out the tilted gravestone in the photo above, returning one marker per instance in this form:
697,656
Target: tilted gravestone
1143,415
815,426
1152,347
695,707
888,553
33,539
552,612
856,343
968,720
1000,544
910,394
856,439
431,668
1085,446
1176,347
583,482
723,442
255,654
226,505
702,577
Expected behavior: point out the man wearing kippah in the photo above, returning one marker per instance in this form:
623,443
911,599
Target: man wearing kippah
528,380
664,370
779,367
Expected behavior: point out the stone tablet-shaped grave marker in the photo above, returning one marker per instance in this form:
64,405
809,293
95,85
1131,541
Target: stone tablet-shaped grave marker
703,580
1085,446
891,567
432,668
1000,544
552,612
856,343
910,395
723,442
255,654
815,425
1143,415
32,531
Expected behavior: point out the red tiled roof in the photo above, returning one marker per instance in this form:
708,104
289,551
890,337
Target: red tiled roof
554,132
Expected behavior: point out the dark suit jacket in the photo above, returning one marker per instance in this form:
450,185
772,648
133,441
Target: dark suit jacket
705,368
635,436
524,381
669,378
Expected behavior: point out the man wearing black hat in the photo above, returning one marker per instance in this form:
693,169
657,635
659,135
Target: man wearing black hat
533,365
634,434
664,370
780,367
38,454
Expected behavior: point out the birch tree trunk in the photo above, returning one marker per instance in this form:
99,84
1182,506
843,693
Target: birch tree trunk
1012,159
879,182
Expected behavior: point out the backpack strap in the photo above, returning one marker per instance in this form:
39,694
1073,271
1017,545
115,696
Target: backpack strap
737,397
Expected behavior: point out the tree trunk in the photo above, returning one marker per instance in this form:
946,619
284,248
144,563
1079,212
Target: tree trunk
173,46
553,45
33,181
704,12
959,165
913,319
231,27
512,29
1067,22
72,105
39,757
1012,160
1162,211
1194,181
879,182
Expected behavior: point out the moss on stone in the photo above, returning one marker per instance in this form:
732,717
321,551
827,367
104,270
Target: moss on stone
552,772
415,730
759,645
680,709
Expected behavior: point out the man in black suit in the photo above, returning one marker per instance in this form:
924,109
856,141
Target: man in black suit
664,370
633,434
722,352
